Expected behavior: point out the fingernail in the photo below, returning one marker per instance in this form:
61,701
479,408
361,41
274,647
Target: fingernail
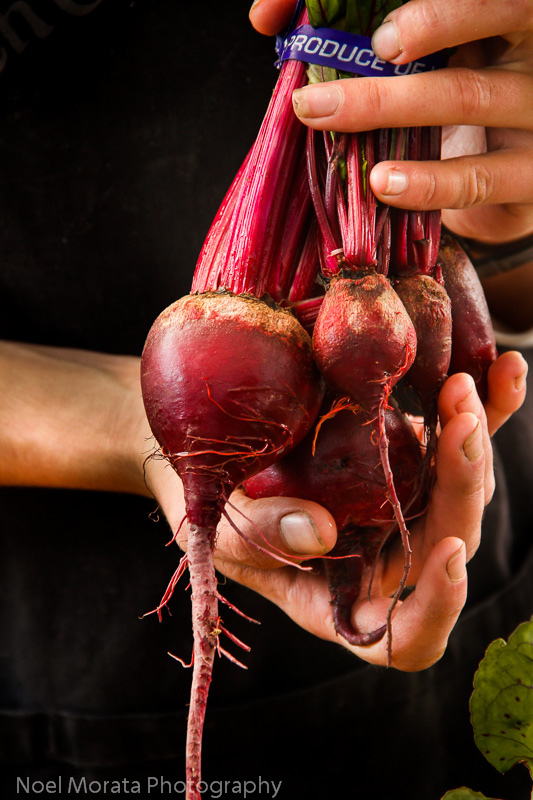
459,406
300,534
520,382
396,182
456,566
386,42
254,4
473,445
316,101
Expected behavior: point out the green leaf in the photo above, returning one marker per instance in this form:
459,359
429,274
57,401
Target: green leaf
318,74
364,16
501,706
325,12
354,16
465,794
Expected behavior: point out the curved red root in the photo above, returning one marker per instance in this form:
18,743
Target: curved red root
398,513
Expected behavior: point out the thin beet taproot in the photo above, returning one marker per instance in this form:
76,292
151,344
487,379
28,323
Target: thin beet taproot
229,385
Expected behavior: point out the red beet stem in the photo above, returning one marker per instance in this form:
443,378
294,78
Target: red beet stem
255,243
398,513
259,211
416,233
331,244
302,284
336,153
206,275
288,257
306,311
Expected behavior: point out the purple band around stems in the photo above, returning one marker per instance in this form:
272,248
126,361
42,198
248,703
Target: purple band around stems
346,52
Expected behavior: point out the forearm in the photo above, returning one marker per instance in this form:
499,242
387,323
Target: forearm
71,419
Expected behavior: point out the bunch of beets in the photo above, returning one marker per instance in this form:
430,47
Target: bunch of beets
316,314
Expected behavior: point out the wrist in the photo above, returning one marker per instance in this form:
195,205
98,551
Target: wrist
132,442
145,470
495,258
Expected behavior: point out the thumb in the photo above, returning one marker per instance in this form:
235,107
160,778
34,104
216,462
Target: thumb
266,533
252,533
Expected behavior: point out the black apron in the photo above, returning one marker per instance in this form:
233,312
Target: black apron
122,125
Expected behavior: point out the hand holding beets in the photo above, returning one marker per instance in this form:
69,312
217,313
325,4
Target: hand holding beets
465,482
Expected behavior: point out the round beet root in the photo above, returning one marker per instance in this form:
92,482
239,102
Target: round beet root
473,342
363,340
345,473
229,385
429,308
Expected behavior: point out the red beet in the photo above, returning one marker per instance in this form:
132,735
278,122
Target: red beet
363,340
342,471
229,385
429,308
473,343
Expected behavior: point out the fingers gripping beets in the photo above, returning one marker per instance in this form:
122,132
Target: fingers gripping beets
442,541
488,84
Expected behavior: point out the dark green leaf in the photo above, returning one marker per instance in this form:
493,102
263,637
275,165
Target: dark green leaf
355,16
364,16
323,13
501,706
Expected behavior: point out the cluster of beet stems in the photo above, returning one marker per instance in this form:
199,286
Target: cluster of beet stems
310,303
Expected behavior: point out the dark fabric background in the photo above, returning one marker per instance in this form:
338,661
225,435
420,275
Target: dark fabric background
120,130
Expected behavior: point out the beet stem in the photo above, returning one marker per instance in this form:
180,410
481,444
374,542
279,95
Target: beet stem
330,243
304,278
396,507
288,257
210,261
